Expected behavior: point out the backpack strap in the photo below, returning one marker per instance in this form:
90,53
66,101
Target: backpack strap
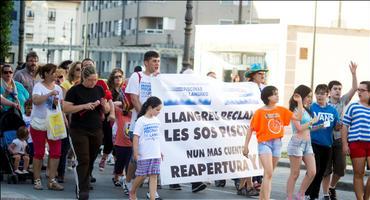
139,76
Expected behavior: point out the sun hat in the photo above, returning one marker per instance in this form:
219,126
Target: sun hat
255,67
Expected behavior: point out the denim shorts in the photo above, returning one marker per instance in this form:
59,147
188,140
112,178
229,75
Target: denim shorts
299,147
270,147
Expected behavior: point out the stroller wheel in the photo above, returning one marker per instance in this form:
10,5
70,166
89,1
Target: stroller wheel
9,179
15,179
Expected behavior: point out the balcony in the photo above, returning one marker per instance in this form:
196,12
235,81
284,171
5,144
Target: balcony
151,31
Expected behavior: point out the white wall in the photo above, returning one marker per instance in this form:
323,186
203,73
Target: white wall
270,39
355,14
332,58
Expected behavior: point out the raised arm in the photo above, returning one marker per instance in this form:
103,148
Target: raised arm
352,91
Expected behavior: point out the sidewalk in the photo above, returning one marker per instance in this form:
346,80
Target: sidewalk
345,183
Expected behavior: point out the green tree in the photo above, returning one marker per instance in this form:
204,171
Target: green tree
6,9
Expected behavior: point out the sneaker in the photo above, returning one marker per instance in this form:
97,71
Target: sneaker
248,192
17,171
157,197
102,164
129,185
116,183
37,184
257,186
175,187
54,185
198,187
25,171
92,179
326,197
220,183
332,194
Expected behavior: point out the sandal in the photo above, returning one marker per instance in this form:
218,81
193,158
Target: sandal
54,185
116,183
37,184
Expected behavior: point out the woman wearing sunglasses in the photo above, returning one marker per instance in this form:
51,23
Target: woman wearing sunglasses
12,90
73,77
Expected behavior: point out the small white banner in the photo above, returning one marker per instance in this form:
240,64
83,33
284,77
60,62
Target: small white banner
204,124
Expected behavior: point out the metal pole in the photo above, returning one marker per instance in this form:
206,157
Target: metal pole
188,21
123,23
240,13
313,48
70,41
137,23
340,15
85,33
21,32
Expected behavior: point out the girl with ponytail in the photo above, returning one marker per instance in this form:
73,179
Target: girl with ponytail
146,146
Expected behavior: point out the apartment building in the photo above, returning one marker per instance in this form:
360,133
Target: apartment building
118,33
51,23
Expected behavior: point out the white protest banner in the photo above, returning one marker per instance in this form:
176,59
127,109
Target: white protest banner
204,124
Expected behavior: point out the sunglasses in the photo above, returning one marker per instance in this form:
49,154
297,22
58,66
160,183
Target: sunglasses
78,69
59,77
7,72
116,77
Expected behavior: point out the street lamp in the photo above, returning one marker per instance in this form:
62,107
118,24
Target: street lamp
188,21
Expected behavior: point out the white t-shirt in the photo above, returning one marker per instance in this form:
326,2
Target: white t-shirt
142,89
39,111
148,131
20,146
27,121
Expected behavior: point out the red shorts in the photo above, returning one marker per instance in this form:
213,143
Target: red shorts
359,149
39,138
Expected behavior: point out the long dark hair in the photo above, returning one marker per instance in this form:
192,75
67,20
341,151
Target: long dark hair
110,82
303,91
150,102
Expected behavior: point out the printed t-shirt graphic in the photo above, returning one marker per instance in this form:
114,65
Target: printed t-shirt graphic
269,124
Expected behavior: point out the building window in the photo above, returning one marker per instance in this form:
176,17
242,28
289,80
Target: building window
169,23
51,39
51,15
225,21
117,25
29,37
83,31
30,14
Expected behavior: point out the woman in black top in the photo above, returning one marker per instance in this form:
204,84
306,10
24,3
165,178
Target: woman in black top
87,104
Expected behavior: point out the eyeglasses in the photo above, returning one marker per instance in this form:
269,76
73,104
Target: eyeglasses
7,72
59,77
322,93
361,90
116,77
78,69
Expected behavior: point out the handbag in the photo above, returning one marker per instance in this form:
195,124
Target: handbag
55,124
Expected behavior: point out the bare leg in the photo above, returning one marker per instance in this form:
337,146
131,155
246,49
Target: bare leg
295,164
137,182
17,159
53,166
130,171
367,189
359,172
310,163
26,162
267,163
37,164
152,185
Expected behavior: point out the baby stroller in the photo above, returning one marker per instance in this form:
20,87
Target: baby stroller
10,121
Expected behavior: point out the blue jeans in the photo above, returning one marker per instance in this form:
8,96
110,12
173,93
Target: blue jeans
270,147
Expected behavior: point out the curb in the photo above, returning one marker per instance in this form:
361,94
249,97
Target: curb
341,185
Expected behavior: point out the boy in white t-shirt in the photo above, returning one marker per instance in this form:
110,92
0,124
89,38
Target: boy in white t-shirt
18,150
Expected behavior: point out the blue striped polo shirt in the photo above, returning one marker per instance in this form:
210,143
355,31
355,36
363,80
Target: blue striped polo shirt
357,118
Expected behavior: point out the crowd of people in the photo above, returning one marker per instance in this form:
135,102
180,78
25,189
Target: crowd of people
121,114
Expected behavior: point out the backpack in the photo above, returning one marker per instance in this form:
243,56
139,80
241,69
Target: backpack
127,98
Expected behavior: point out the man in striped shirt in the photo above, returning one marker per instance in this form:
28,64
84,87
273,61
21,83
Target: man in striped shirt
356,138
